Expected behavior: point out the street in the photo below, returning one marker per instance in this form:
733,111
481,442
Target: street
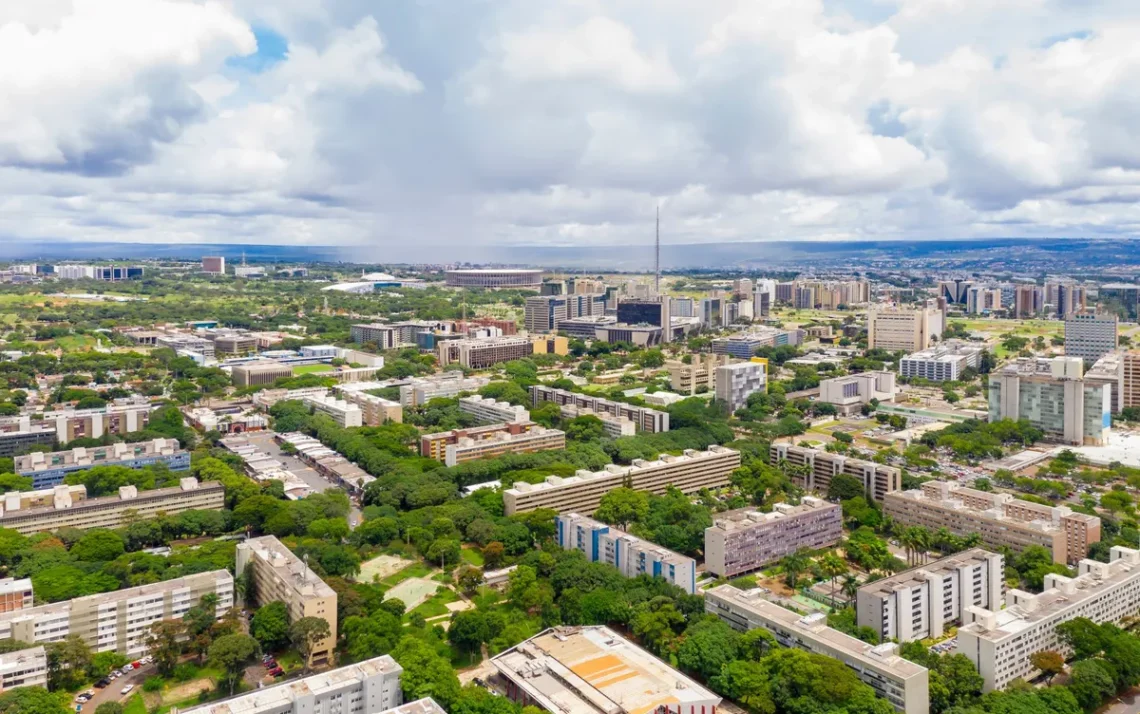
112,692
265,442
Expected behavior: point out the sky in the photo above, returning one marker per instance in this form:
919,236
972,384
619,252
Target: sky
390,123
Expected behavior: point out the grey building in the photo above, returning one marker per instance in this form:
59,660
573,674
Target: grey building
1090,336
745,540
736,381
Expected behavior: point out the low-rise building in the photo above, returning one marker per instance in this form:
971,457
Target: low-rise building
591,669
118,419
49,469
483,353
490,411
745,344
920,603
15,594
459,445
383,336
235,343
613,426
632,556
375,410
737,381
849,393
181,342
696,376
255,374
418,391
586,327
344,413
903,683
19,434
822,466
24,668
944,362
646,419
746,540
582,492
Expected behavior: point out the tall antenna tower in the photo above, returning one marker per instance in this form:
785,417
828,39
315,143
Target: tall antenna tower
657,255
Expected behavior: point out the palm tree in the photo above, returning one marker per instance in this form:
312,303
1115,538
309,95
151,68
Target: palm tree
850,586
795,564
832,566
944,540
923,541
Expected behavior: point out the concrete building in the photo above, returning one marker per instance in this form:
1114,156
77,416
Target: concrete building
489,411
982,299
821,466
851,392
546,313
255,374
903,683
697,376
644,418
117,621
583,491
903,329
15,594
1028,300
24,668
118,419
614,426
920,603
710,312
183,343
213,264
368,687
999,518
383,336
745,344
735,382
418,391
32,512
1052,395
637,335
550,345
944,362
592,669
495,278
18,434
49,469
1000,641
649,311
346,414
586,328
632,556
374,410
485,442
278,574
746,540
235,343
1068,301
483,353
955,291
1120,299
1090,336
1120,371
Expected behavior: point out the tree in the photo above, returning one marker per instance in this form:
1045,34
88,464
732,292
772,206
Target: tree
109,708
584,428
1049,662
306,633
231,653
164,643
493,555
270,626
426,673
471,629
31,700
623,506
794,565
708,646
469,579
1083,636
832,566
67,661
98,546
844,487
1091,682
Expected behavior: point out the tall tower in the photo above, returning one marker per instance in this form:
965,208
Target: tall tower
657,255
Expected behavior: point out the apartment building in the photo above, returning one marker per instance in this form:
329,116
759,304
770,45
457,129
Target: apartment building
1120,370
849,393
644,418
903,683
490,411
255,374
746,540
345,413
383,336
999,518
903,329
1052,395
920,603
983,300
18,434
582,492
1000,641
368,687
23,668
15,594
483,353
546,313
214,264
1028,300
1090,336
117,621
745,344
374,410
421,390
118,419
1069,300
69,507
736,382
460,445
613,426
49,469
944,362
632,556
820,467
278,574
696,376
590,669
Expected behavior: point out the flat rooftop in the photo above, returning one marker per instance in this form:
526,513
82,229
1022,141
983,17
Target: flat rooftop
583,476
586,670
913,577
744,518
289,567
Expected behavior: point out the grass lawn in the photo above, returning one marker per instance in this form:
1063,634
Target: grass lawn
437,604
72,343
415,570
472,556
311,368
289,660
136,705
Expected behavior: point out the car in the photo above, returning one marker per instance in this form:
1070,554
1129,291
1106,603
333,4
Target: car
102,682
276,671
127,689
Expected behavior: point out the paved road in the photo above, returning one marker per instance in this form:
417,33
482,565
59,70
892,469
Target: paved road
1128,703
265,442
113,691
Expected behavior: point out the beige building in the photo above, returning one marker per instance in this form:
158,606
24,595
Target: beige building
583,491
614,426
1053,395
485,352
69,507
698,375
849,393
644,418
485,442
278,574
490,411
903,329
820,466
374,410
1121,372
23,668
999,518
15,594
256,374
345,413
745,540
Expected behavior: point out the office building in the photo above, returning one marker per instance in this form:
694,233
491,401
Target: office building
637,335
903,683
49,469
745,344
357,357
903,329
955,291
803,297
489,411
418,391
1120,299
119,419
696,376
710,312
69,507
644,418
106,273
784,292
547,313
550,345
632,556
746,540
1000,641
652,311
1120,371
235,343
485,442
1090,336
920,603
495,278
1069,300
483,353
183,344
1052,395
682,307
345,413
586,328
383,336
374,410
118,621
983,299
613,426
762,305
18,434
24,668
256,374
851,392
582,492
736,382
213,264
944,362
999,518
592,669
15,594
1028,300
821,466
368,687
278,574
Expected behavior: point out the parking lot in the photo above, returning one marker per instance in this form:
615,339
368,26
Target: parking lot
113,692
265,443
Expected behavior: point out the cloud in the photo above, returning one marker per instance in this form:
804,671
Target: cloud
566,122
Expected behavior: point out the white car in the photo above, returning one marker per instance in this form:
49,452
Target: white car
127,689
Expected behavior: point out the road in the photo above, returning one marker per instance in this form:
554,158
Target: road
264,441
112,692
1128,703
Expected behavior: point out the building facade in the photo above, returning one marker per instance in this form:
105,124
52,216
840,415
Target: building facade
903,329
736,382
383,336
489,411
345,413
644,418
1052,395
849,393
24,668
1090,336
495,278
49,469
944,362
746,540
696,376
460,445
483,353
632,556
255,374
820,467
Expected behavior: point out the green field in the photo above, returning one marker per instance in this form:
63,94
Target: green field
311,368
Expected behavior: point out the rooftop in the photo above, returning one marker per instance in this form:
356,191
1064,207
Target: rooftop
289,567
744,518
916,576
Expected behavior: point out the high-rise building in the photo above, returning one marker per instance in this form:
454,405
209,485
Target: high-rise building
762,305
383,336
821,466
646,311
632,556
735,382
804,297
546,313
213,264
981,299
1090,336
1028,300
903,329
785,292
944,362
1052,395
746,540
682,307
1070,300
849,393
711,312
1120,299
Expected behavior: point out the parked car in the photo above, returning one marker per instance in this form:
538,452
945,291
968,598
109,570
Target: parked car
102,682
276,671
127,689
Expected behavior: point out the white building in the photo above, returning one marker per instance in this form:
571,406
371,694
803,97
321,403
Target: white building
345,414
851,392
1090,336
489,411
736,381
632,556
23,668
999,642
944,362
320,351
1053,396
